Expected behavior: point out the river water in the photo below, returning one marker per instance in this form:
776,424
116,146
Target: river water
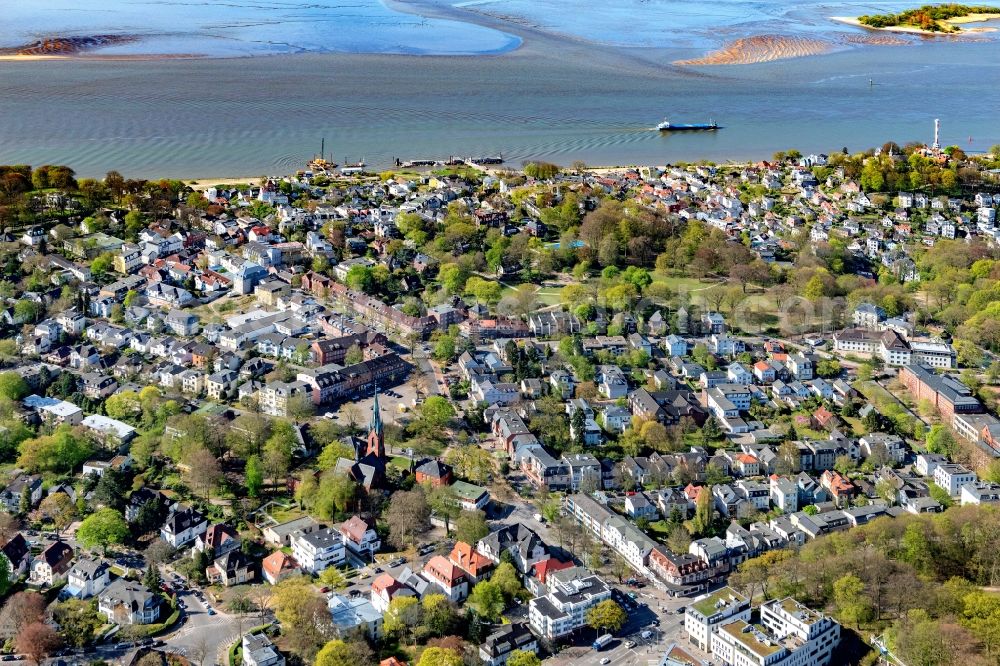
568,92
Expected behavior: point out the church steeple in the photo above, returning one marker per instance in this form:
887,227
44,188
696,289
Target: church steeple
376,436
376,424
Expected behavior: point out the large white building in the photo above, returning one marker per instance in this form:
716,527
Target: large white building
952,476
894,349
621,534
318,550
570,593
934,354
704,616
789,634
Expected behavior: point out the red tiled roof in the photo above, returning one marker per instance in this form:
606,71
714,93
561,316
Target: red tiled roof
277,562
551,565
444,571
385,583
466,557
355,528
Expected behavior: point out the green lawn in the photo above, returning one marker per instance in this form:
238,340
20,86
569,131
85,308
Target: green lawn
660,530
690,284
401,462
545,295
285,515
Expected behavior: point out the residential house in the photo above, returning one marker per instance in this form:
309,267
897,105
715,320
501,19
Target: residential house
507,638
569,595
51,564
360,537
88,578
354,614
277,566
182,526
233,568
258,650
451,579
126,602
524,546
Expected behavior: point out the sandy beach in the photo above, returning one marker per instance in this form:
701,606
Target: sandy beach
202,184
913,30
762,48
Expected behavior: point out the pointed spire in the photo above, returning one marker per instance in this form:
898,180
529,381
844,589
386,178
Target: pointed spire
376,426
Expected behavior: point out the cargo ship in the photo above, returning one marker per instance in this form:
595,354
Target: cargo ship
667,126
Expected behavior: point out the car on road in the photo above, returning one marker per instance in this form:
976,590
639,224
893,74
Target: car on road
429,548
377,570
210,611
397,561
646,635
630,644
680,611
606,660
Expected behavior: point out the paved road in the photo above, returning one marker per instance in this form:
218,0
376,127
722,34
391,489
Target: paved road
652,607
434,380
204,636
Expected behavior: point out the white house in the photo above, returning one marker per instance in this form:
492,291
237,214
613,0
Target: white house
182,526
318,550
354,614
88,578
705,615
448,577
360,537
952,477
128,602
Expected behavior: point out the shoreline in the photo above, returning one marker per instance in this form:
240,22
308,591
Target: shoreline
761,49
201,184
84,57
913,30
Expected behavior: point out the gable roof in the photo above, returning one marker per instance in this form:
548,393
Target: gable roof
355,528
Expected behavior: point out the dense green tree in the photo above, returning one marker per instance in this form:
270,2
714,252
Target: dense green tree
488,599
607,615
523,658
103,528
62,451
471,526
254,476
12,386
